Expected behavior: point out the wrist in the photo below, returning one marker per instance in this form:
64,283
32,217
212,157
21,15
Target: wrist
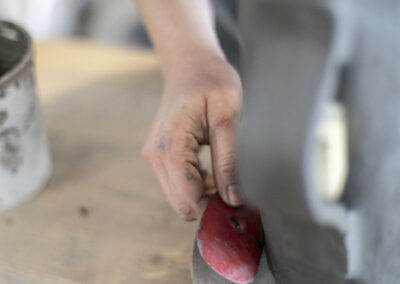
197,58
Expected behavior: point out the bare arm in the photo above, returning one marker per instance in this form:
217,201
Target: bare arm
200,105
180,28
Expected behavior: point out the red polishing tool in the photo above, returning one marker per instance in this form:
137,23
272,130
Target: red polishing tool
230,240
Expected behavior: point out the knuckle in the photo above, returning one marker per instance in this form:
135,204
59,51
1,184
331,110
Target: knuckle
175,145
227,166
227,160
175,155
177,149
186,212
225,119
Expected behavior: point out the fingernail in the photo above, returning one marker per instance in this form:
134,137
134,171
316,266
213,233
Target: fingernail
234,197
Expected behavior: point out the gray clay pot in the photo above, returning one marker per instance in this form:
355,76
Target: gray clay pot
25,163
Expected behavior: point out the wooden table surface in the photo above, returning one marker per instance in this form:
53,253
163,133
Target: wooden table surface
102,217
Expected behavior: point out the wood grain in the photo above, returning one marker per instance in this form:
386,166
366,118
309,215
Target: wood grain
102,218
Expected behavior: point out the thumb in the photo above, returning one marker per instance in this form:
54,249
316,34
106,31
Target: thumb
223,150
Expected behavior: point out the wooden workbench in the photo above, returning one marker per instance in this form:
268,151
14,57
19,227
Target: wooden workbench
102,217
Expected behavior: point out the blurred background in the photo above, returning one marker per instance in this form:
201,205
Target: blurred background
114,22
107,21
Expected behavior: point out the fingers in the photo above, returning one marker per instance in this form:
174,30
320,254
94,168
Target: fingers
186,195
223,119
203,109
175,164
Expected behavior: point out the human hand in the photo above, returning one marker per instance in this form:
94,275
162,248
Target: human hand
200,105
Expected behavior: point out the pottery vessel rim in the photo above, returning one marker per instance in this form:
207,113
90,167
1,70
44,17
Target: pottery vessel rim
19,66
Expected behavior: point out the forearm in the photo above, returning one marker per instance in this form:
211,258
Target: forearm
180,30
